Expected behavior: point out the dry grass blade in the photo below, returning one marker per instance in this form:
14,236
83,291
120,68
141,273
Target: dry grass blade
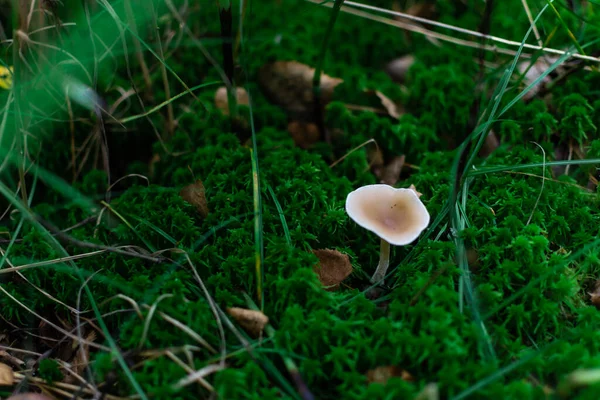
201,373
451,39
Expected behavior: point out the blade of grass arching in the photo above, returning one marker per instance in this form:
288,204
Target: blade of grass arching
286,230
565,27
316,82
461,185
288,361
505,168
503,84
124,27
467,283
162,233
497,375
572,258
167,102
226,20
126,222
258,239
214,229
543,75
26,212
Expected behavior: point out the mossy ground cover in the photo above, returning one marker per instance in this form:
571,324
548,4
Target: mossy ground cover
112,284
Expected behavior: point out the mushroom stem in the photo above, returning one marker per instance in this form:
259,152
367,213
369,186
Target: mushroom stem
384,263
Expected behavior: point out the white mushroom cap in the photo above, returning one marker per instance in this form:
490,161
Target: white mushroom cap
395,215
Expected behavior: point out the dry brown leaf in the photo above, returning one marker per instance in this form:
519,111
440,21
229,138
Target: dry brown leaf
289,85
305,134
252,321
384,373
81,358
222,102
195,194
29,396
534,72
390,173
333,267
398,68
394,110
7,376
595,295
490,145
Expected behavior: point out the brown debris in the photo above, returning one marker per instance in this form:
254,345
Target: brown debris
252,321
595,295
384,373
333,268
7,376
390,173
289,85
398,68
195,194
222,102
305,134
394,110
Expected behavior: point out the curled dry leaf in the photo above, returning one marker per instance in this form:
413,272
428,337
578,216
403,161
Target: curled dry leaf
398,68
195,194
533,72
305,134
333,267
222,101
289,85
384,373
252,321
393,109
7,376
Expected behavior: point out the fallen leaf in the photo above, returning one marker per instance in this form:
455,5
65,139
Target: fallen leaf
533,73
394,110
7,376
195,194
390,173
490,145
305,134
414,189
384,373
6,77
252,321
222,101
595,295
398,68
81,358
333,267
289,85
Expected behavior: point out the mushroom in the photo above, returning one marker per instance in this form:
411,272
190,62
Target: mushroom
397,216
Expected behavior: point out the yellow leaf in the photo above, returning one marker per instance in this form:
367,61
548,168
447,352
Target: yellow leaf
6,77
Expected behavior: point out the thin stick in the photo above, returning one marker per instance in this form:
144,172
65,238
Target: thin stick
460,42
